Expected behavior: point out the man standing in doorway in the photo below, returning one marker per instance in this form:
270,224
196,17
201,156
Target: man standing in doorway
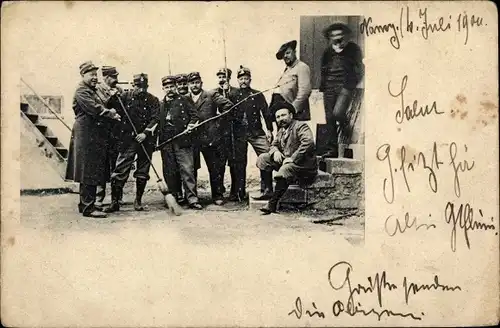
108,90
143,109
341,71
295,82
87,158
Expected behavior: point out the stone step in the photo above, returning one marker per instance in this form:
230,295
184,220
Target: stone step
342,166
63,152
53,140
32,117
253,204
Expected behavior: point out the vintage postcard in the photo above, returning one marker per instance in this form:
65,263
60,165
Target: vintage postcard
249,164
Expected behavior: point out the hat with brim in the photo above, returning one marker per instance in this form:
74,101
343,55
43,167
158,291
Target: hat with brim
277,103
87,66
284,47
109,71
336,27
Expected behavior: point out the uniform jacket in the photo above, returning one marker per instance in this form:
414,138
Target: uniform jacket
298,90
248,113
87,161
104,93
341,70
209,104
144,110
175,115
298,144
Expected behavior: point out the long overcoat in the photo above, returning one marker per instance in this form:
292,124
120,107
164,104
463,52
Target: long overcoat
87,160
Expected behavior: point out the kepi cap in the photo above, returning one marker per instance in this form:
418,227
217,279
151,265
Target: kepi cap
141,78
194,76
284,47
222,71
181,78
109,71
244,71
169,79
87,67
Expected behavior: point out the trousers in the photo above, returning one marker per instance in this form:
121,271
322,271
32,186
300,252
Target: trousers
215,157
336,105
126,159
178,171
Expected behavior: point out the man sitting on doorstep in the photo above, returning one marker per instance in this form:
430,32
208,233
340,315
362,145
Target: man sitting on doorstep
291,154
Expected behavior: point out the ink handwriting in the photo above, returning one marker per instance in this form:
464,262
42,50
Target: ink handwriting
340,280
393,225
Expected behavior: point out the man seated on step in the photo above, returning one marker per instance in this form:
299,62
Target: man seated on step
291,154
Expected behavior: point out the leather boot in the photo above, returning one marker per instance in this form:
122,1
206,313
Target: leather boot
140,186
266,178
272,205
116,192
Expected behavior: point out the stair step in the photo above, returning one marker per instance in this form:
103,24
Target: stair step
33,117
53,140
62,151
24,107
41,127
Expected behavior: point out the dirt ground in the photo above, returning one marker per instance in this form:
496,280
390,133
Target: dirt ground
213,224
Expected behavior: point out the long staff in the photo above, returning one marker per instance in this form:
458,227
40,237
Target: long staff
169,198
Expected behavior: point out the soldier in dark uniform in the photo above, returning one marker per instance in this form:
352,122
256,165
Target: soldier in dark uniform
88,149
209,138
108,90
143,109
177,114
248,124
235,140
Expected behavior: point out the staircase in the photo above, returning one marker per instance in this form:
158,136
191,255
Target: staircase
45,139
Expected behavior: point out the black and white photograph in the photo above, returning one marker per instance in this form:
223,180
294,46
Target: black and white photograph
217,144
249,164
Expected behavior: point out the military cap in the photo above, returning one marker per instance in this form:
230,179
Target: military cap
87,67
181,78
284,47
336,27
140,78
109,71
244,71
222,71
194,76
169,79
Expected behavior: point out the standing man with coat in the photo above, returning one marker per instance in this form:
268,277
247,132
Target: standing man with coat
234,136
177,113
87,158
143,109
209,139
295,82
247,128
108,91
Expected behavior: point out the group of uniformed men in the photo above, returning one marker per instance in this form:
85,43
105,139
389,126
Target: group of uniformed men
114,129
